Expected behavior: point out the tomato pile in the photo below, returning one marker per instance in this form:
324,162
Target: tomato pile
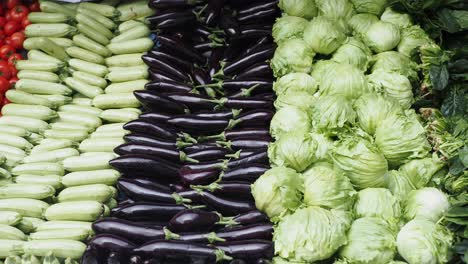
13,21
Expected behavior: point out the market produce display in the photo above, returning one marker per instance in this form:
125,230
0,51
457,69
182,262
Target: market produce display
191,157
233,132
65,118
13,21
353,177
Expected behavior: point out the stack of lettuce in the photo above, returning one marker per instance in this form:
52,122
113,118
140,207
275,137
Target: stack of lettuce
352,168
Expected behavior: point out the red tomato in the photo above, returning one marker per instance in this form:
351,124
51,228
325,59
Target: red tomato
7,41
6,51
6,101
2,37
11,27
17,40
14,71
8,16
3,21
2,10
5,69
12,82
25,22
12,3
4,85
14,58
35,7
19,13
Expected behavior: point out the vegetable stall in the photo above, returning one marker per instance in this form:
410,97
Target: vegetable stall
240,132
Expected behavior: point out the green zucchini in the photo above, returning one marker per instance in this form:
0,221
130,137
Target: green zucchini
57,99
56,30
51,7
125,60
134,10
87,43
10,248
59,225
9,218
51,48
49,144
39,75
38,65
82,101
32,191
30,124
15,141
39,168
95,192
87,163
20,97
70,126
131,46
53,180
12,233
127,25
109,134
42,17
73,135
68,234
83,54
107,22
24,206
92,34
107,176
100,144
83,88
52,155
89,110
105,10
90,79
83,18
92,68
111,127
32,111
35,138
118,115
56,247
126,87
121,100
37,55
75,211
15,131
139,31
128,75
79,118
41,87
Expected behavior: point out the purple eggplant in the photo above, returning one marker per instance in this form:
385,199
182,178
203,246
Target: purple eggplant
149,140
198,177
227,114
170,19
260,44
256,6
260,15
248,249
193,101
229,24
245,103
111,243
213,11
134,232
194,220
91,256
177,48
200,146
208,154
147,127
157,4
146,211
227,206
228,189
162,248
247,143
253,118
157,101
235,85
259,157
217,165
171,59
170,154
238,133
199,125
157,76
238,233
249,173
160,65
147,166
202,221
141,192
155,116
249,60
259,70
150,183
169,87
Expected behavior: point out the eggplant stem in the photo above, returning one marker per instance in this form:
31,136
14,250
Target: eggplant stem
220,136
212,237
233,123
218,85
179,199
212,187
221,255
227,221
210,92
234,155
189,138
236,112
181,144
183,157
246,92
226,144
168,235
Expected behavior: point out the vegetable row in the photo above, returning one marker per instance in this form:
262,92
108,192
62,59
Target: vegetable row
191,156
65,117
352,170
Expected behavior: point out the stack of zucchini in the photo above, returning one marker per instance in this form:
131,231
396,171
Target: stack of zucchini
58,134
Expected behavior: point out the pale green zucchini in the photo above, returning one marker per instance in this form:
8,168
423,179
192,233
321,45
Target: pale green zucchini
39,168
100,144
90,79
30,124
92,34
121,100
87,20
12,233
32,191
70,126
51,7
59,225
82,101
38,65
57,99
53,180
56,30
128,75
57,247
51,48
108,23
68,234
41,87
15,141
131,46
20,97
89,110
79,118
49,144
15,131
108,177
126,87
83,54
83,88
52,156
87,163
89,44
125,60
75,211
95,192
24,206
105,10
9,218
39,75
10,248
111,127
92,68
139,31
134,10
118,115
73,135
32,111
42,17
37,55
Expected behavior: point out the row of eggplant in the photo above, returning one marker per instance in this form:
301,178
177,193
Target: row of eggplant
190,158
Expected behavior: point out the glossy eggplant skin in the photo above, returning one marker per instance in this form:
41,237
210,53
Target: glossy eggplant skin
149,140
249,60
259,157
160,65
171,59
168,87
194,102
259,70
198,177
248,143
170,3
163,248
142,192
105,244
239,233
191,220
208,154
225,206
146,211
169,153
199,125
156,101
144,165
148,127
250,217
134,232
249,173
249,250
177,48
235,189
155,116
